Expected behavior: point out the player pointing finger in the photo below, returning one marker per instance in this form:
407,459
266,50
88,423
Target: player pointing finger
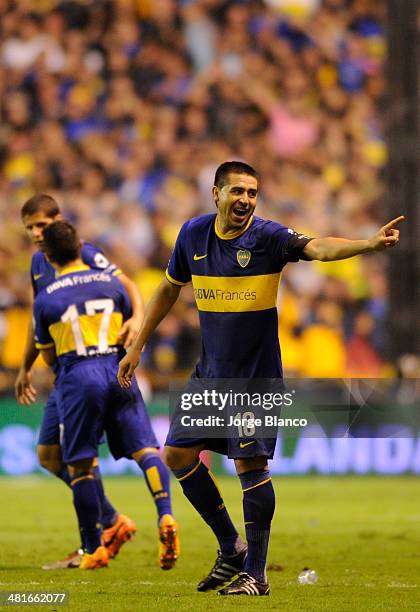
387,236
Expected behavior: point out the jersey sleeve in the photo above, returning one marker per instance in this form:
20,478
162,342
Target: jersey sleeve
285,244
36,273
43,339
295,245
94,258
178,271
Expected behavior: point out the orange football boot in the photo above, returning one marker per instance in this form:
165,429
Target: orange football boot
121,531
95,560
169,547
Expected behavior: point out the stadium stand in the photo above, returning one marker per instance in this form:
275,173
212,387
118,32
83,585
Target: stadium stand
123,109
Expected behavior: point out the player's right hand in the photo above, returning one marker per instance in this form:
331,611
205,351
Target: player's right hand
126,368
25,392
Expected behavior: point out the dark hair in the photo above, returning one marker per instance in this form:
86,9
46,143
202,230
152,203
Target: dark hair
234,167
61,242
40,203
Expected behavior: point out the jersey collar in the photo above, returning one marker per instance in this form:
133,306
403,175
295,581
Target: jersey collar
236,234
70,269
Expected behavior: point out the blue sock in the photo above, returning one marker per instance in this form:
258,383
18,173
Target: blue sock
108,512
258,503
64,475
200,488
157,479
86,502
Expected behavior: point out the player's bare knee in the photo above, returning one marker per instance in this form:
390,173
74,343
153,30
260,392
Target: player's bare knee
49,457
53,467
84,466
247,464
178,458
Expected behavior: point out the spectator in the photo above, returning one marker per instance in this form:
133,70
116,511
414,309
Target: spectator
124,109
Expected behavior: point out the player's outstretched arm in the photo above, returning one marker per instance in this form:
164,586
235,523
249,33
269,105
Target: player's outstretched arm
25,392
160,304
331,249
130,327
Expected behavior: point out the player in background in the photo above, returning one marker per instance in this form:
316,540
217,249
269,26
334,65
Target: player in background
236,253
78,318
37,213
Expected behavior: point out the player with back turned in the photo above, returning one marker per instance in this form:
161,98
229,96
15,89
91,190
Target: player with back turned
235,250
37,213
78,318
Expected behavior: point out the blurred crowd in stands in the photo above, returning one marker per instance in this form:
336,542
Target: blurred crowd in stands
122,110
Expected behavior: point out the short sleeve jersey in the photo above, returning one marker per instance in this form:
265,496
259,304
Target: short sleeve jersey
81,313
43,274
235,285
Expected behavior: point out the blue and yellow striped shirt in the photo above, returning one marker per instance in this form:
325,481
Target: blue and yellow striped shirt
81,314
235,285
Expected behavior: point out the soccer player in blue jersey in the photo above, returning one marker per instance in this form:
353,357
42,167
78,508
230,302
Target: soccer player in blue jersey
234,260
78,318
37,213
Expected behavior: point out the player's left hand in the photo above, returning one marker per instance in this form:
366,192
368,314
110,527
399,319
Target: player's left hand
127,366
387,236
25,392
129,331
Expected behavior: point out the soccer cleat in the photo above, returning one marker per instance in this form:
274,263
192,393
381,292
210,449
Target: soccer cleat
121,531
72,561
245,585
95,560
224,569
169,547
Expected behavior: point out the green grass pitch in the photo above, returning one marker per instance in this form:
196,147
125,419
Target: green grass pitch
362,536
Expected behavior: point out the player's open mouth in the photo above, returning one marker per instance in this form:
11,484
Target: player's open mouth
239,214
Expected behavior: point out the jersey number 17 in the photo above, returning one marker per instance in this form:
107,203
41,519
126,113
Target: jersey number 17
92,307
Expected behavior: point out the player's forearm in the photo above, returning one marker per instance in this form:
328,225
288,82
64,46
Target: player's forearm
137,305
160,304
31,352
332,249
49,356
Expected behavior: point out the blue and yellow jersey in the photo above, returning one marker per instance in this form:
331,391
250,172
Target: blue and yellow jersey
81,313
235,285
43,274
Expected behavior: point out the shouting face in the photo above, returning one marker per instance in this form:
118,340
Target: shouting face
236,201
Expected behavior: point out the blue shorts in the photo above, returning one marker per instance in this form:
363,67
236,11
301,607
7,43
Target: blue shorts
91,402
49,432
234,448
50,426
